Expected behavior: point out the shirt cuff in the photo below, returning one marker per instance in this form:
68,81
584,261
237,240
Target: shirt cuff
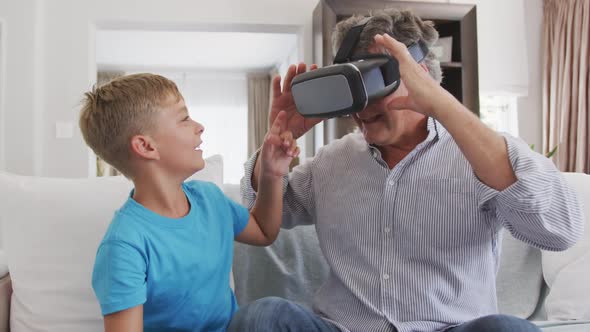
532,191
247,191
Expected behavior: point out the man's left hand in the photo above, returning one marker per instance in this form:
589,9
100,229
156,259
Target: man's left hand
425,95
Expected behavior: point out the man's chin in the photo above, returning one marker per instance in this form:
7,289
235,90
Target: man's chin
373,138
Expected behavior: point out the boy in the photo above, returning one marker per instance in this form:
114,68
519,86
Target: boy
164,262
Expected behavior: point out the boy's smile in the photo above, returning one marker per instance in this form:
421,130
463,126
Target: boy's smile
176,136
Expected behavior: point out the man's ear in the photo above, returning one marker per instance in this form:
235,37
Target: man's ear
144,147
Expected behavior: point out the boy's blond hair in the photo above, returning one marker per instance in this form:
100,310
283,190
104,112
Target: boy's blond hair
115,112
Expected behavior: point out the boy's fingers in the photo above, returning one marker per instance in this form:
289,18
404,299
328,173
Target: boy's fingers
273,139
293,152
287,137
275,129
279,123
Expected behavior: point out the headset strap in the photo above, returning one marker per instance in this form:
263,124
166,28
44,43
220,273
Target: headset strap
418,50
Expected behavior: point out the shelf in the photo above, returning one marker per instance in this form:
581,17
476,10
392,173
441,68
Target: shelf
451,65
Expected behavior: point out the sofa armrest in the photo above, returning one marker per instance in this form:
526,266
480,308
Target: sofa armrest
5,297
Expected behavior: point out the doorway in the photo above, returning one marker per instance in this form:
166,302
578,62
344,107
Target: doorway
212,69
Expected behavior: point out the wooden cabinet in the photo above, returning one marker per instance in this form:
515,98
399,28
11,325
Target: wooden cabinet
456,20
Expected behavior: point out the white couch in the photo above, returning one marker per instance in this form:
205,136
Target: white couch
51,229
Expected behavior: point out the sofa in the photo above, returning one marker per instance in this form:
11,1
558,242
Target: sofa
50,229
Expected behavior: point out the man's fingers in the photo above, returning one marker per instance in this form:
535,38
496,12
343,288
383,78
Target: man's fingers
310,122
398,50
282,121
400,103
276,86
301,68
291,72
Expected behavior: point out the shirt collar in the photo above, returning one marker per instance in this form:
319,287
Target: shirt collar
435,131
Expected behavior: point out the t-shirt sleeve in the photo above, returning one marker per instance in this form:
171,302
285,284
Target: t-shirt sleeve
119,277
240,215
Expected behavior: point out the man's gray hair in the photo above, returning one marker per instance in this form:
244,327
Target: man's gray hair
403,25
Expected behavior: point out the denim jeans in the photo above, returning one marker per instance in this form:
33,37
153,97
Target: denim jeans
273,314
496,323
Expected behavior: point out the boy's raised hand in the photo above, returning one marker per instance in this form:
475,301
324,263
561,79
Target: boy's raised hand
279,148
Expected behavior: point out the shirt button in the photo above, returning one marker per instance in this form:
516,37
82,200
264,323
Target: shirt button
386,229
391,182
386,276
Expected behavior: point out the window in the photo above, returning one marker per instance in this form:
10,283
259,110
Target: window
499,112
226,133
219,102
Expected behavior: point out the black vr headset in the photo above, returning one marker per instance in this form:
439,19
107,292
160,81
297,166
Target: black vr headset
352,82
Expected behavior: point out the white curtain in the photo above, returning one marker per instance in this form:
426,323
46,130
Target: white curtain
259,102
566,79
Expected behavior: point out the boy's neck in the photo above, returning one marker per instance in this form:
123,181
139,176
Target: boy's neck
161,196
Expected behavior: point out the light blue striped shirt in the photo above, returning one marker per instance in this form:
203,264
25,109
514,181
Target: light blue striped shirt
416,247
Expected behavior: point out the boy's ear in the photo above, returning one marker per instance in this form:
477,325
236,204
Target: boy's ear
144,147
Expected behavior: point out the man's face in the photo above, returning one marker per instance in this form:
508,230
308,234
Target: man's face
178,139
383,126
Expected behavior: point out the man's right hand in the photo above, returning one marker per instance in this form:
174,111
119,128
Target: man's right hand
282,100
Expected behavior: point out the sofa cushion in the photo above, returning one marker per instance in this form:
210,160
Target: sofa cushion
520,277
51,229
566,272
293,267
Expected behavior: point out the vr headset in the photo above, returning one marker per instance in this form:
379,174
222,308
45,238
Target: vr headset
351,83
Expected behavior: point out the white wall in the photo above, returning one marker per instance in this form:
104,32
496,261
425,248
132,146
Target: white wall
306,142
509,52
501,45
530,111
2,66
18,88
50,63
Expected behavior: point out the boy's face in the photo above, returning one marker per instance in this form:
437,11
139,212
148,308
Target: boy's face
178,139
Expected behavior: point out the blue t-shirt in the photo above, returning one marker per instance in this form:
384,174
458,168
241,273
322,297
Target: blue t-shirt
177,268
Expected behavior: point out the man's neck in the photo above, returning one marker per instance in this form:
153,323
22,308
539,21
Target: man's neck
392,154
161,195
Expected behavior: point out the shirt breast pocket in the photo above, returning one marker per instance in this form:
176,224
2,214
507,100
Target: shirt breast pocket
445,212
